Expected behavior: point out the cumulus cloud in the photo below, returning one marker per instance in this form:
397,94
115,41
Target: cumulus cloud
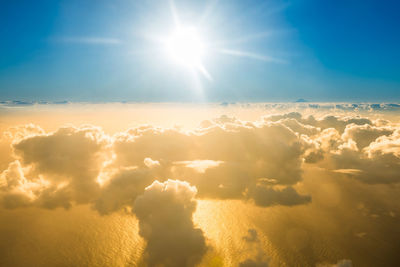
225,158
68,152
363,135
122,189
24,131
165,212
378,162
329,121
64,164
15,189
355,146
151,163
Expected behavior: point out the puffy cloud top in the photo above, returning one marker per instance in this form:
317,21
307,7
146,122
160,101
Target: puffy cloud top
165,221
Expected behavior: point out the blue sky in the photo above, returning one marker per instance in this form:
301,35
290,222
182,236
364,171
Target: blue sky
104,50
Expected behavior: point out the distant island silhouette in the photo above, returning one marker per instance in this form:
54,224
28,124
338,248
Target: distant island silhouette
300,100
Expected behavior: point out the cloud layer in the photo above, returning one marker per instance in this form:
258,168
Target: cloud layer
159,173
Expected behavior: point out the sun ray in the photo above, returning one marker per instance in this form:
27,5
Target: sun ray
208,10
251,55
205,72
174,13
243,39
153,37
198,88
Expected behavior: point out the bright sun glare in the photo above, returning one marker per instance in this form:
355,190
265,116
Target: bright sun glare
186,47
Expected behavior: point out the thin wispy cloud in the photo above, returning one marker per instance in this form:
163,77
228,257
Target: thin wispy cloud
88,40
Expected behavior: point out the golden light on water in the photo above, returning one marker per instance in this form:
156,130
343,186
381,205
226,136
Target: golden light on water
227,231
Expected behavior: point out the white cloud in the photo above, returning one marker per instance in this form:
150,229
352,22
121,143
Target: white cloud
165,214
151,163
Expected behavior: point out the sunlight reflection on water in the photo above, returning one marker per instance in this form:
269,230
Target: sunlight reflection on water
225,223
81,237
77,237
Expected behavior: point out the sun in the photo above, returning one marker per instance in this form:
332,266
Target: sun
186,47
